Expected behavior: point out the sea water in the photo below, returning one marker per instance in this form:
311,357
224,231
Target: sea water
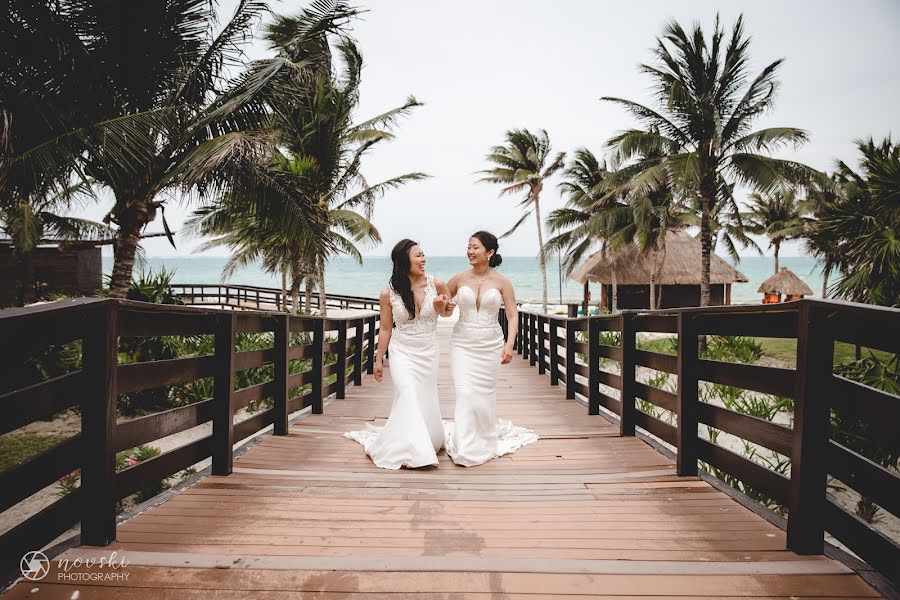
343,275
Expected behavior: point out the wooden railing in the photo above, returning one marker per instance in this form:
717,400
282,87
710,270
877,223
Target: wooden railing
570,351
259,298
332,353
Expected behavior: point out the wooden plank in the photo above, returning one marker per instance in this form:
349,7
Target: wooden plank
660,429
316,372
129,434
773,484
570,359
766,380
150,471
881,552
145,322
661,398
876,408
136,377
667,363
869,325
609,352
657,323
243,397
868,478
23,480
253,323
249,359
593,368
40,529
36,327
765,433
38,401
254,424
764,323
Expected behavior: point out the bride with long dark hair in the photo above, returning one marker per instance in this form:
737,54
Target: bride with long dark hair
412,302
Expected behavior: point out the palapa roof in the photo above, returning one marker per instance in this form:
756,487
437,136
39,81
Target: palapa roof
633,267
785,282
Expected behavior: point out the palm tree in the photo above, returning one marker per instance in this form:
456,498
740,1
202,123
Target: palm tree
706,106
162,60
778,215
522,165
860,227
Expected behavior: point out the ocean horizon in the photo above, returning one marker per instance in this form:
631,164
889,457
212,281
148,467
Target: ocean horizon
344,276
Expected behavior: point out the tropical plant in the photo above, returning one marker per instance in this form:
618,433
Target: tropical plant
857,228
317,154
522,164
778,215
702,126
164,63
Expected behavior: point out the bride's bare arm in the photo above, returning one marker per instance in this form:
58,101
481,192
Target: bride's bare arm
385,329
512,318
443,303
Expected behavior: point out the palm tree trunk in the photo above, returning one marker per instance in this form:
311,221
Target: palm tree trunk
825,285
307,293
296,278
537,215
705,249
653,291
283,304
777,246
320,274
131,222
615,293
25,281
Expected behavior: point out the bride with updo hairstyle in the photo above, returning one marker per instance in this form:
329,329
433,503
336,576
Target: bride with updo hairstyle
477,349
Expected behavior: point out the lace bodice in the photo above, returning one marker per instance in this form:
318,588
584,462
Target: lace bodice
483,316
423,325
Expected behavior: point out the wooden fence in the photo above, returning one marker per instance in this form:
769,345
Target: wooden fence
570,351
259,298
332,353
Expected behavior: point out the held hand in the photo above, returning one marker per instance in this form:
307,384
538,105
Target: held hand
440,302
379,370
451,306
506,355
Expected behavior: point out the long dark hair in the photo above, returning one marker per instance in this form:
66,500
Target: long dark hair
489,241
400,277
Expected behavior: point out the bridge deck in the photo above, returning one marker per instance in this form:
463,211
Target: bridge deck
581,513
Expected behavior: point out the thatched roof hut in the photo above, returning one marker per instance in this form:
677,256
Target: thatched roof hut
785,282
633,267
678,281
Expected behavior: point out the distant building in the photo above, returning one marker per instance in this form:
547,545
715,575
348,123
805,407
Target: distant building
783,283
679,278
71,269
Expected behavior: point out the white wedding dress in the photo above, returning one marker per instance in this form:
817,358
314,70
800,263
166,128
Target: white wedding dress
414,432
476,436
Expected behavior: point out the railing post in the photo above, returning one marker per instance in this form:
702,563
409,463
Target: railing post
532,340
688,383
282,368
629,346
541,348
98,422
370,350
358,354
571,339
554,364
318,361
526,336
815,353
223,396
341,369
593,355
520,334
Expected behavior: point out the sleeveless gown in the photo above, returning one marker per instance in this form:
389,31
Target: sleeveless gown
476,435
414,432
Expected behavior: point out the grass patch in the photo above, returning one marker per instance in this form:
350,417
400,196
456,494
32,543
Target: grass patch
16,448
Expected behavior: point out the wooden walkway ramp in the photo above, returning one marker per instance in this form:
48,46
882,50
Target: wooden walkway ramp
582,513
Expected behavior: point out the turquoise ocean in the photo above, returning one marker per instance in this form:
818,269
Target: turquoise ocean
345,276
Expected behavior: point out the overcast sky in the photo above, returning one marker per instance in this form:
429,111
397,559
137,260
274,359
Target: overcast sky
483,67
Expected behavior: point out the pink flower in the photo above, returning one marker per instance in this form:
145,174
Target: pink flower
131,461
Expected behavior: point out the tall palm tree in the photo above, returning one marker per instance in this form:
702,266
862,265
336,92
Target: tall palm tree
706,104
778,215
522,164
590,216
163,59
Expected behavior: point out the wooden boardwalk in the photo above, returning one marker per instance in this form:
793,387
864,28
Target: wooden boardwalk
581,513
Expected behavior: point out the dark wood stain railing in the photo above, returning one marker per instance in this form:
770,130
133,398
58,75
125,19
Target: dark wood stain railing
100,324
554,344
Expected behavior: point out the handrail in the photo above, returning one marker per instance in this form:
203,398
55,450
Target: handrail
332,351
574,359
